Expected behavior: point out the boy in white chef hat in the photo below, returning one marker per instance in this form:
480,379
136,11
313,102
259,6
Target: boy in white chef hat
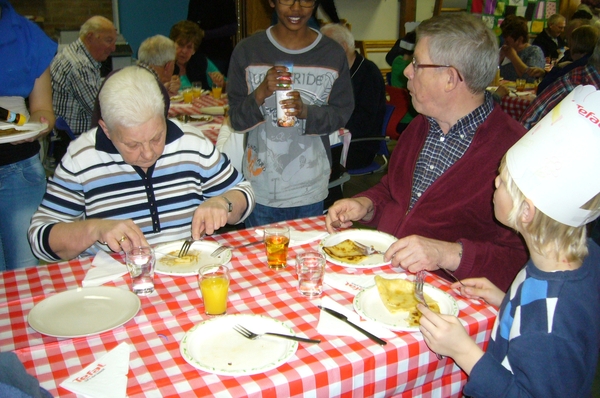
545,341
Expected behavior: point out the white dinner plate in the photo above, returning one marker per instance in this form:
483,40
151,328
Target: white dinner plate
378,240
368,304
202,118
166,264
84,311
28,130
213,110
213,346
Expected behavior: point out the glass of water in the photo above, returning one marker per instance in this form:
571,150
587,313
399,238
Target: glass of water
310,267
140,263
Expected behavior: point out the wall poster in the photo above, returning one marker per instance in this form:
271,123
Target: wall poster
493,12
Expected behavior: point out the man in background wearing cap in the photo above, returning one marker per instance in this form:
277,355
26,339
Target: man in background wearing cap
436,195
546,338
557,91
398,79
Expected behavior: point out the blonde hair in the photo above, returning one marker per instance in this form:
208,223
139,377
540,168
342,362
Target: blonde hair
547,236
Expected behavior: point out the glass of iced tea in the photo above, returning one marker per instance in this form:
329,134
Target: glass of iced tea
214,285
277,241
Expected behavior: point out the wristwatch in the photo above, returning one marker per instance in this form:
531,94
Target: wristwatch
229,204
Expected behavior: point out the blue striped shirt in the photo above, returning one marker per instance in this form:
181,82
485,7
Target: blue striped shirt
93,181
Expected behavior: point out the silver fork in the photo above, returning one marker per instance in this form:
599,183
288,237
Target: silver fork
253,336
185,248
450,274
221,249
368,250
419,280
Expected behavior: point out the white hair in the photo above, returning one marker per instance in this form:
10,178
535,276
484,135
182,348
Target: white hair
130,97
339,33
157,50
95,24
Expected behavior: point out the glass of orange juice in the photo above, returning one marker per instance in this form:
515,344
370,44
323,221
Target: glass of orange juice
214,285
217,90
197,89
277,241
188,96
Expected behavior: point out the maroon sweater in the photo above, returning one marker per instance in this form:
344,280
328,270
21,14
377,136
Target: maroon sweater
458,205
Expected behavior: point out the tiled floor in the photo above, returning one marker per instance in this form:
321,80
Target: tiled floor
358,184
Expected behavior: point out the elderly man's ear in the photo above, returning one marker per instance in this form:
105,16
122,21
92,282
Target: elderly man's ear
104,128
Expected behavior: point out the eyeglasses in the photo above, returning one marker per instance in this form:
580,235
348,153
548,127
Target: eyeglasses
417,66
303,3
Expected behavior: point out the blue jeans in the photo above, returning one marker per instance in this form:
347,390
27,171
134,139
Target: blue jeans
22,187
262,215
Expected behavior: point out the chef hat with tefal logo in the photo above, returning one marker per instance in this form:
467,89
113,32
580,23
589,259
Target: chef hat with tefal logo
556,164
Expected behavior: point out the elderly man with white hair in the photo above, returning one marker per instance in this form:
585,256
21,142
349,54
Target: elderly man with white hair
369,98
137,179
437,196
157,53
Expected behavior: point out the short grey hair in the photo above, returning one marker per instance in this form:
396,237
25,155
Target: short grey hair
95,24
555,18
339,33
463,41
130,97
157,50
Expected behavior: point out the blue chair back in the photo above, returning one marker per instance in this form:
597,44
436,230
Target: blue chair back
61,124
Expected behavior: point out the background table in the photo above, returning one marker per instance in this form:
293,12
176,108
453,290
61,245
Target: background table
338,366
210,129
515,106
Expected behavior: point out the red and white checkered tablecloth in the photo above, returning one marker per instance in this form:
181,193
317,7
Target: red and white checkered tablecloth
210,129
515,106
339,366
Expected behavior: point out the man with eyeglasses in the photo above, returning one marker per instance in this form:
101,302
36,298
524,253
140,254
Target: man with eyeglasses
288,165
437,195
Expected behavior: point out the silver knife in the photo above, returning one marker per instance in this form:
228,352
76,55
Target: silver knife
363,331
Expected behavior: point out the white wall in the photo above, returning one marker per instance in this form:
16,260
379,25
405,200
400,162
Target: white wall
377,19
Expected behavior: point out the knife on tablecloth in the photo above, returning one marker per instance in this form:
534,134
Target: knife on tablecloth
363,331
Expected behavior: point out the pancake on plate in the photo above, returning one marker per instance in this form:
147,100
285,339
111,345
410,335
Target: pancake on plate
346,251
398,295
172,258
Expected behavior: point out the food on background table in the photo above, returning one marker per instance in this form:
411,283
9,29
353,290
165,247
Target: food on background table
176,98
398,295
172,258
346,251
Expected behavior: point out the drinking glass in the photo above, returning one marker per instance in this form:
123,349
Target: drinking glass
214,285
188,96
520,84
217,90
310,267
277,240
140,263
196,89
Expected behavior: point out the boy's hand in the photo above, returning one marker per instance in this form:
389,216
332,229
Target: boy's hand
480,288
277,78
445,335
